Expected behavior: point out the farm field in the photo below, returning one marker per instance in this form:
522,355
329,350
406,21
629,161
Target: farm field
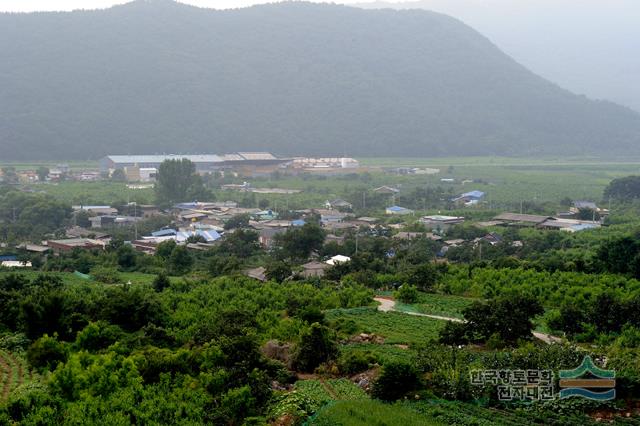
369,412
383,354
436,412
95,193
394,327
507,182
437,304
13,373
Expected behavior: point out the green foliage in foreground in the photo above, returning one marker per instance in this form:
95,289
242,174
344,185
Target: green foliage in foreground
370,412
309,396
188,354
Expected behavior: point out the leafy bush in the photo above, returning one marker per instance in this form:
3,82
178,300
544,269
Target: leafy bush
13,342
46,352
407,294
395,381
106,275
316,346
161,282
355,362
98,335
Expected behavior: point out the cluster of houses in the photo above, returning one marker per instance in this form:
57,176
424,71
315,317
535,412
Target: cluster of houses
201,225
56,174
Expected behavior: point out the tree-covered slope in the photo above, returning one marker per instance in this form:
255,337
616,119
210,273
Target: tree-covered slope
295,78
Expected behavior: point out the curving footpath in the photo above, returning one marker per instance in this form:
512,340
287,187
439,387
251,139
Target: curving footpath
388,305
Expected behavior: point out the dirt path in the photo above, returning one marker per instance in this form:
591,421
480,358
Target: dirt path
547,338
387,305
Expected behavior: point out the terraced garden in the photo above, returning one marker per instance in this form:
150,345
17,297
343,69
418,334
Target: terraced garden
13,373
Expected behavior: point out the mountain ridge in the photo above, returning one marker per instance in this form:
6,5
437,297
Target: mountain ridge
292,78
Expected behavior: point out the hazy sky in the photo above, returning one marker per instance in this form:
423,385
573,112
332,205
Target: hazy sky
33,5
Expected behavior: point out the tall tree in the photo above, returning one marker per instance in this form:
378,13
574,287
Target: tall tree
177,181
9,175
42,173
298,243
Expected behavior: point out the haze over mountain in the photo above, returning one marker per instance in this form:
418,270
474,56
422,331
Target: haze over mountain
294,78
587,46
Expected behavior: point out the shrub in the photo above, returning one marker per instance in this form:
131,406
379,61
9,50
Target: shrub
395,381
316,346
106,275
355,362
407,294
46,352
453,333
98,335
161,282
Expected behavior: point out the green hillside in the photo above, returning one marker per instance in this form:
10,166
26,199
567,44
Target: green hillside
293,78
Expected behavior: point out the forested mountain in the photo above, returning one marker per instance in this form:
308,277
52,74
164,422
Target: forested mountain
557,40
293,78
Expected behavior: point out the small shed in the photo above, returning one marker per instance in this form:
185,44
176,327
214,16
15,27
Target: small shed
314,269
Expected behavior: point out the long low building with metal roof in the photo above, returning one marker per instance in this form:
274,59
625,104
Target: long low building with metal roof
203,162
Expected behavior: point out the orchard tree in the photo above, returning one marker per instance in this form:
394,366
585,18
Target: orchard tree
278,271
180,261
507,317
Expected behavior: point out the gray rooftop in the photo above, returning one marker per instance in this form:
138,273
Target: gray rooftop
205,158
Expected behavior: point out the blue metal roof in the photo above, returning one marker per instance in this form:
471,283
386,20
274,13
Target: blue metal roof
183,206
473,194
396,208
297,222
164,233
209,236
583,226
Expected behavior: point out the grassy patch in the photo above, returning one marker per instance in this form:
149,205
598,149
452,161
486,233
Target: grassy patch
96,193
507,182
384,354
396,328
367,413
438,304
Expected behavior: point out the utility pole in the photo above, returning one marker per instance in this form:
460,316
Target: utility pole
135,219
356,242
